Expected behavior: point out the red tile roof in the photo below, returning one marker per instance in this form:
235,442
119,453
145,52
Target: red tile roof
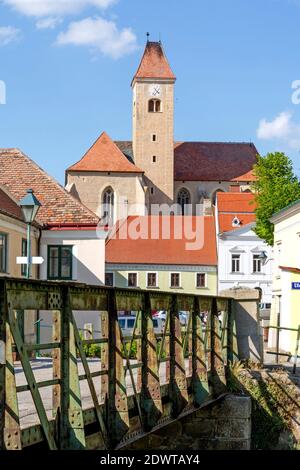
124,249
208,161
8,206
290,269
154,63
19,173
105,156
231,205
214,161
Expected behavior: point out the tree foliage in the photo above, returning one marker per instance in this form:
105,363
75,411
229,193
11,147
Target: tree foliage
276,187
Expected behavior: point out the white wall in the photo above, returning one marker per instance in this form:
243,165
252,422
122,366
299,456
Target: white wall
88,267
246,240
88,253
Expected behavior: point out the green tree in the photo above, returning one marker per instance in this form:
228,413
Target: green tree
276,187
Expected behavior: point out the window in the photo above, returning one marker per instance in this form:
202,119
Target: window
151,279
235,263
24,253
200,280
132,280
108,206
130,322
183,199
154,106
60,262
175,280
154,159
3,253
153,137
122,323
151,190
257,264
109,279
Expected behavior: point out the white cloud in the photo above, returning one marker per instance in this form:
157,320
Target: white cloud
282,128
42,8
99,34
8,34
49,22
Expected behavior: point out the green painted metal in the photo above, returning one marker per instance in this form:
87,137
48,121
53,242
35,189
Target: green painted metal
217,376
10,435
118,418
90,384
178,383
151,405
186,359
71,419
13,322
232,346
200,385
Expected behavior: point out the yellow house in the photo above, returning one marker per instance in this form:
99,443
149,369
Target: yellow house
286,276
174,254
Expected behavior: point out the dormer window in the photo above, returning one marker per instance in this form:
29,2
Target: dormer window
236,222
154,106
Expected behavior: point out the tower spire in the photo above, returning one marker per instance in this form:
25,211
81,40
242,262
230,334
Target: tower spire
148,35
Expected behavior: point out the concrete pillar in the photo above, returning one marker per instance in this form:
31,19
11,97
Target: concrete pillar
246,314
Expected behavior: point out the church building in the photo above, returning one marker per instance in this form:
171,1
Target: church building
117,179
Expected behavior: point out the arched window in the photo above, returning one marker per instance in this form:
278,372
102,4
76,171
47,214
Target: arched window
214,196
154,106
108,206
183,199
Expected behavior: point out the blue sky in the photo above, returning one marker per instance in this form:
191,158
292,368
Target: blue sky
67,66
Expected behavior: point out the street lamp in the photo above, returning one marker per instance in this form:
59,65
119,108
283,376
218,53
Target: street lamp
30,206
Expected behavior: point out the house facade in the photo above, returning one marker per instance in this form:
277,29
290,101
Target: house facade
241,253
286,276
140,256
70,241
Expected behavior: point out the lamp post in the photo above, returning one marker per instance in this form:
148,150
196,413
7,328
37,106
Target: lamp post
30,206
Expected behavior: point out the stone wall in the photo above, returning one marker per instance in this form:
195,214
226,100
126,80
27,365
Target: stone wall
222,425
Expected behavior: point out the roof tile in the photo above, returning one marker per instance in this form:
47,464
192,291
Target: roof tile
123,248
105,156
154,63
19,173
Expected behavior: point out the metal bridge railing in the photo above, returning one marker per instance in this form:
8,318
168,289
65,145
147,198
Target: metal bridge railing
168,376
296,355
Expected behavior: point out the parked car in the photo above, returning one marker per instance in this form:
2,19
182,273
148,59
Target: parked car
127,324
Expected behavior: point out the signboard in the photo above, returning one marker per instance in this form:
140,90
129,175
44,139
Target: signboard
296,285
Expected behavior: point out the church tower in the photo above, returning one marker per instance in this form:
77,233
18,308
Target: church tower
153,123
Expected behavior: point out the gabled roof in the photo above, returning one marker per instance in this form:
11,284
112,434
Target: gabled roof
214,161
208,161
231,205
105,156
154,63
125,249
18,173
8,206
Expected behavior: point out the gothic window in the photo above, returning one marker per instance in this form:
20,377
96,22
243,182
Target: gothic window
183,199
154,106
108,206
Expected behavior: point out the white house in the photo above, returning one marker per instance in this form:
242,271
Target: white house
70,241
243,258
